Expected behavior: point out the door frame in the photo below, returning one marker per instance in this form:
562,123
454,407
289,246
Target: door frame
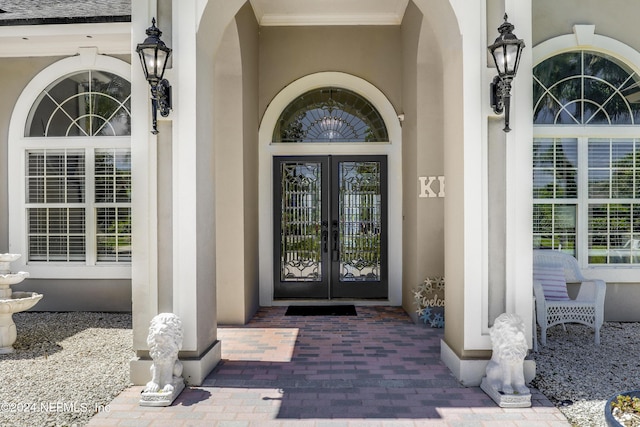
267,150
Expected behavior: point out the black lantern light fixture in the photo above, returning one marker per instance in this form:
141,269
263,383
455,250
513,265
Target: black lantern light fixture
506,51
154,55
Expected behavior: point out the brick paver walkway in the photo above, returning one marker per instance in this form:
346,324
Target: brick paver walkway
373,369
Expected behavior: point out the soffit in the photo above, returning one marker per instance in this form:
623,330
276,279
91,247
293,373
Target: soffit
64,39
329,12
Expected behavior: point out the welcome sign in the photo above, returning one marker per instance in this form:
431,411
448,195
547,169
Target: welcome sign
429,298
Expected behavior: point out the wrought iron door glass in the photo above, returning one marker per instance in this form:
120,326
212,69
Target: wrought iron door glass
300,237
360,221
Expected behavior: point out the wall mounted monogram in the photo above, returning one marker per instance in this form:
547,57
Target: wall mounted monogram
426,183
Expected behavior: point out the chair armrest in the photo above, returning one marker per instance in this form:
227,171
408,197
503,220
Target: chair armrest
592,291
538,292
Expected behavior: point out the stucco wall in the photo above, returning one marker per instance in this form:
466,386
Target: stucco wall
411,25
79,295
236,164
422,144
617,19
371,53
249,45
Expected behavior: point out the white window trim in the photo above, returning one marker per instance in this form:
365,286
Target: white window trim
584,37
18,144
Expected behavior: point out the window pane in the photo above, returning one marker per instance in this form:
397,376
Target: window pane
599,92
113,176
35,189
58,248
88,103
612,172
56,234
565,219
55,176
566,169
613,233
114,234
77,248
57,221
542,218
598,219
555,169
598,252
599,153
38,248
37,221
554,226
77,224
543,184
567,93
599,183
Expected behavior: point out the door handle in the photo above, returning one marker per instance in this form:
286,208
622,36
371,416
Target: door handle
335,252
325,237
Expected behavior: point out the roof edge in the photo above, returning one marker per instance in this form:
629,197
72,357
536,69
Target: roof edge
67,20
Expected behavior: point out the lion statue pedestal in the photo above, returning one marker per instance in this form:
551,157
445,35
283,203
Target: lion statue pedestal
504,380
164,341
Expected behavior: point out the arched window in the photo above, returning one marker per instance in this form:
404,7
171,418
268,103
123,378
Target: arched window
87,103
70,141
585,88
586,157
330,115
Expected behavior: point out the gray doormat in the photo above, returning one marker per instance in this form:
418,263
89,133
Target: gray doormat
321,310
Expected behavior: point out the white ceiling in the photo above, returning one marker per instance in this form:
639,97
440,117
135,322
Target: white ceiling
329,12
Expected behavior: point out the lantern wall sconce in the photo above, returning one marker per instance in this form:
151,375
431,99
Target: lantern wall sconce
506,51
154,55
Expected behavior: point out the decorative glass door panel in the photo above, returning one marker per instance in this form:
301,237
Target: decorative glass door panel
330,227
300,228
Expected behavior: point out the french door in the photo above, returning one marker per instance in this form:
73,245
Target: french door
330,227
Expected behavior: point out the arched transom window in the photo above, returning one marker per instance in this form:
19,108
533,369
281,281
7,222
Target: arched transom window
330,114
585,88
586,157
87,103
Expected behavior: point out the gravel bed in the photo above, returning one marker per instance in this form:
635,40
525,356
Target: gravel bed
65,368
579,376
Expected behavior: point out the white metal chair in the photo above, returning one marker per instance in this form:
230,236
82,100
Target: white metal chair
587,308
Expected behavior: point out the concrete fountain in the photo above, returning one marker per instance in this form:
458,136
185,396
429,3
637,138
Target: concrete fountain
12,302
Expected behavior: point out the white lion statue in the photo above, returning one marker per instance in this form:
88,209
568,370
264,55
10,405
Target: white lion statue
164,341
505,371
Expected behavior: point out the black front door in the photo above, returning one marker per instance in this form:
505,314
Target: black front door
330,221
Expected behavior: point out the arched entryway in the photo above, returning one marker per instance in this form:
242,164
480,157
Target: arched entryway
316,156
229,88
256,61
